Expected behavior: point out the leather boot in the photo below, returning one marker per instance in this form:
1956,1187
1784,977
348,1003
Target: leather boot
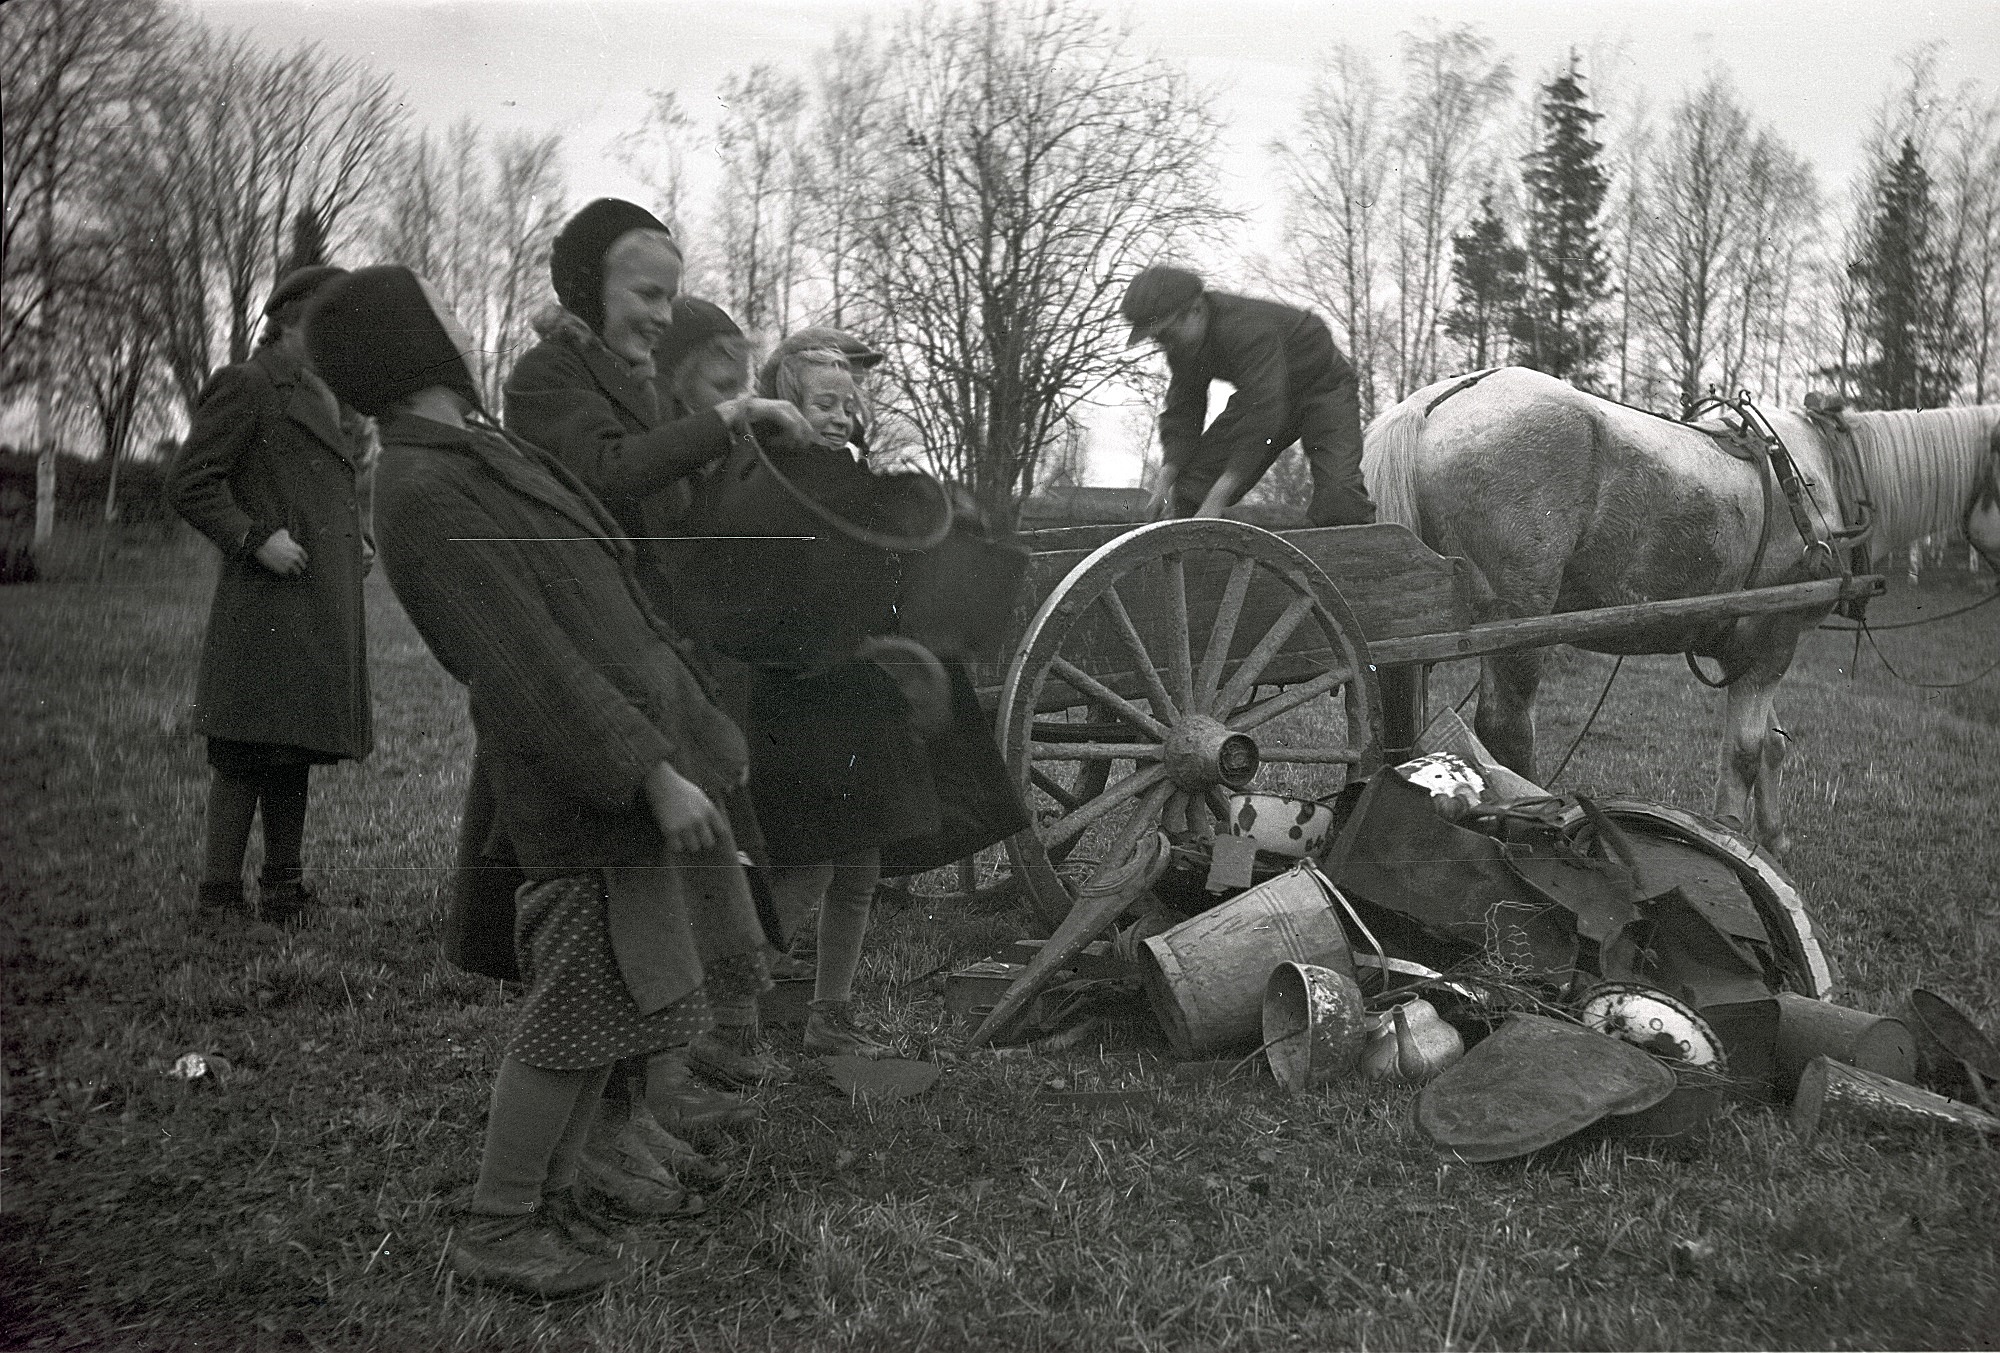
731,1054
683,1104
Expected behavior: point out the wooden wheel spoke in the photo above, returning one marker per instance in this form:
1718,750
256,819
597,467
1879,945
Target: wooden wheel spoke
1142,661
1217,804
1313,756
1108,698
1046,783
1180,655
1290,699
1221,634
1095,751
1075,824
1267,648
1142,818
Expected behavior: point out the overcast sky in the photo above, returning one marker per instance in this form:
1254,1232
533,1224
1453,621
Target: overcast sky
1814,70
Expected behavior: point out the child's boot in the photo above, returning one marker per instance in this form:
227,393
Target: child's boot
575,1215
678,1157
523,1252
734,1055
832,1032
684,1105
616,1166
286,900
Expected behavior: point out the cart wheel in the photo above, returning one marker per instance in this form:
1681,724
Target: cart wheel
1132,703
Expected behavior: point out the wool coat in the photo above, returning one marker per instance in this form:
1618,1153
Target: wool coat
285,659
521,586
580,402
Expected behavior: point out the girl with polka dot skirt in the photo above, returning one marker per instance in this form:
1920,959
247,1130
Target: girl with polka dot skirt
606,763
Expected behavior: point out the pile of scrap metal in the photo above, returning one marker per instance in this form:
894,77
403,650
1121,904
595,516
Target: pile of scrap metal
1542,966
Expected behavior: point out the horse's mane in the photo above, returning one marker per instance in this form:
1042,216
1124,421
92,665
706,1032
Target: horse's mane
1921,467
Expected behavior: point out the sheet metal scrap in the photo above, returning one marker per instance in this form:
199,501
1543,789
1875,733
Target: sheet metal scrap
1534,1082
1396,853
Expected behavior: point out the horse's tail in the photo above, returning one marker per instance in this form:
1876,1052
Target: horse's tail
1389,461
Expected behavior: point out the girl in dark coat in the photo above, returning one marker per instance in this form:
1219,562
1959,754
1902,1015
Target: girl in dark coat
268,474
589,395
837,765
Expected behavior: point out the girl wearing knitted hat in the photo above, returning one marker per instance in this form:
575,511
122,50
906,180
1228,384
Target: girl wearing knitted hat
590,394
606,767
268,474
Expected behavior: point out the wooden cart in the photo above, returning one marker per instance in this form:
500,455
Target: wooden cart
1161,668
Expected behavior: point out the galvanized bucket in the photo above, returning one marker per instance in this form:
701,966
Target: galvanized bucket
1205,978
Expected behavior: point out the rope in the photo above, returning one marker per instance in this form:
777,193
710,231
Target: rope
1912,624
1584,731
1694,667
1981,675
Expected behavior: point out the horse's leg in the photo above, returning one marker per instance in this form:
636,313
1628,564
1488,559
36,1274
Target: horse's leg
1505,720
1748,784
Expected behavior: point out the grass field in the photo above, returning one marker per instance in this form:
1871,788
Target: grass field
305,1201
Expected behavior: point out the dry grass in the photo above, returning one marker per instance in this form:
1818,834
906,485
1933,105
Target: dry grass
305,1201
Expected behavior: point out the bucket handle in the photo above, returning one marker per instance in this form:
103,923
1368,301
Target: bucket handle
878,540
1327,885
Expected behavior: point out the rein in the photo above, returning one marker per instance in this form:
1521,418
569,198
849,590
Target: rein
1775,455
1778,472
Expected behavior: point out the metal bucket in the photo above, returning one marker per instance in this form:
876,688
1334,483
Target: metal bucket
1205,978
1313,1025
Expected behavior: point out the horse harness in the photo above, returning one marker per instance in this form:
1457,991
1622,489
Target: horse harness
1744,433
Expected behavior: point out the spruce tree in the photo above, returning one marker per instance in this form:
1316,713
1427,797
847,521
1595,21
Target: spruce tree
1490,273
1558,328
1911,344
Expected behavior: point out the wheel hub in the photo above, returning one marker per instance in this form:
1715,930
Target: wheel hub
1202,753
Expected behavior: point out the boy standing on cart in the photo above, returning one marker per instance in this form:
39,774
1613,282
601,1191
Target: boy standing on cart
1291,385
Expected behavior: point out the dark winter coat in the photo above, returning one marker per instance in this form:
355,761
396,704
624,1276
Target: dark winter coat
580,402
285,660
515,576
1291,385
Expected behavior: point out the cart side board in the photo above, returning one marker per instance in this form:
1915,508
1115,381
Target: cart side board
1414,607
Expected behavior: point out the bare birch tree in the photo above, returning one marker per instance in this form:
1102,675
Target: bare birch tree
67,72
757,228
227,145
1691,232
1453,85
1334,168
475,215
847,102
655,153
1033,163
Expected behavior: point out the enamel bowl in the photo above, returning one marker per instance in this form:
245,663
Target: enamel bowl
1279,823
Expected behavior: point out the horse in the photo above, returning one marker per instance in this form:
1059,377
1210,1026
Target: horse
1562,501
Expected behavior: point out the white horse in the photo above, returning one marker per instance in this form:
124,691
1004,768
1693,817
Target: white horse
1563,502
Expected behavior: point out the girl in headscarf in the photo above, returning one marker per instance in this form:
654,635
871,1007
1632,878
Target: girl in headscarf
608,769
